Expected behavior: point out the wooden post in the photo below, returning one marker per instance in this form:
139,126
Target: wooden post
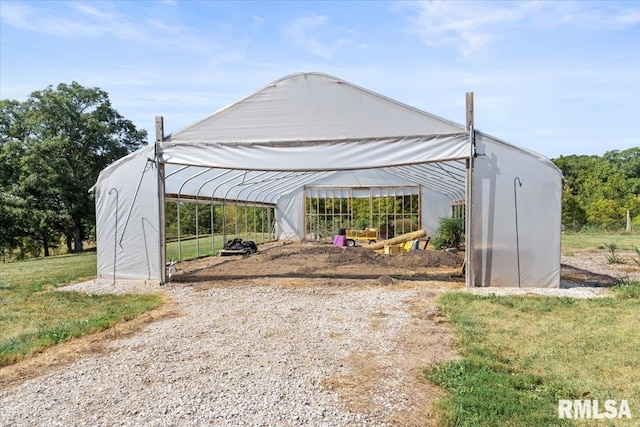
468,211
469,109
161,200
628,221
159,129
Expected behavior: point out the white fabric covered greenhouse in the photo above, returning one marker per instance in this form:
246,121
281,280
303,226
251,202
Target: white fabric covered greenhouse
313,130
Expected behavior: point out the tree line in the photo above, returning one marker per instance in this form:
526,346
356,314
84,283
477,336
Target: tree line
54,145
52,148
599,190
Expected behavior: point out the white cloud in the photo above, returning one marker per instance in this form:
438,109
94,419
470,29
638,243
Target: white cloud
80,20
466,25
470,25
74,20
314,34
298,31
258,22
590,16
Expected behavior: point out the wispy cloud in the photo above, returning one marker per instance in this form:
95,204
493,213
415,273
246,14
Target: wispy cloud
79,20
466,25
591,16
469,25
258,22
102,20
299,32
309,32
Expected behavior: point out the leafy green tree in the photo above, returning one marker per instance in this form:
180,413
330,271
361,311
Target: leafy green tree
62,138
12,133
599,190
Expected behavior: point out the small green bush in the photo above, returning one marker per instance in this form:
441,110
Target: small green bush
450,233
613,257
627,290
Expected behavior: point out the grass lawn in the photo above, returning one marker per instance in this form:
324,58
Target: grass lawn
571,241
522,354
34,316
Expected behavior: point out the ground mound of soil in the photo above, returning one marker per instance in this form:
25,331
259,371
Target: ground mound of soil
304,250
414,259
355,255
314,259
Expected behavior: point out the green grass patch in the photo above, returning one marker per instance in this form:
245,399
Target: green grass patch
191,248
627,290
573,241
521,354
33,315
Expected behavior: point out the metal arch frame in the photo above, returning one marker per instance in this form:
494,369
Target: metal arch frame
304,180
224,226
178,204
429,181
226,195
197,216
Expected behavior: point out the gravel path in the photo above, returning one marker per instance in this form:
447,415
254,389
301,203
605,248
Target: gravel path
242,355
265,353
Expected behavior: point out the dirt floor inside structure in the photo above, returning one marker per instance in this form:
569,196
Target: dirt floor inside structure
321,260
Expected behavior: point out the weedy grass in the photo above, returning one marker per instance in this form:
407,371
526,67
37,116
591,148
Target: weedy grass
522,354
574,241
33,315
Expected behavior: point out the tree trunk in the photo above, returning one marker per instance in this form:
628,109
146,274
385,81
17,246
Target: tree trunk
69,245
77,235
45,243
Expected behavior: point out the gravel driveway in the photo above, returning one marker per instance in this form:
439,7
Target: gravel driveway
259,351
252,354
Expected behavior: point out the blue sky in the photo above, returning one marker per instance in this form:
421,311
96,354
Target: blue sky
558,77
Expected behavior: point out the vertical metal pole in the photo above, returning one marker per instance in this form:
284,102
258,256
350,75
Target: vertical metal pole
179,231
213,249
235,219
197,230
162,255
246,222
224,223
468,210
515,201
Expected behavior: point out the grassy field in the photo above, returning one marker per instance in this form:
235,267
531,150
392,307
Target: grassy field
34,316
522,354
572,241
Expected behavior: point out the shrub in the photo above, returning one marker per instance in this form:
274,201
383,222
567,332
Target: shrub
613,257
450,233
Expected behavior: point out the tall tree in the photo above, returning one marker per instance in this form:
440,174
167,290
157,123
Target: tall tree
65,136
12,134
599,190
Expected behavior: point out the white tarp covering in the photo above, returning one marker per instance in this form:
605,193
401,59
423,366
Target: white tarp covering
511,184
319,155
133,182
314,129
